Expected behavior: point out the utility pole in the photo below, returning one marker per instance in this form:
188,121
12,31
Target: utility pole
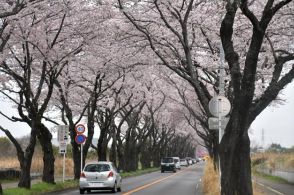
221,90
262,138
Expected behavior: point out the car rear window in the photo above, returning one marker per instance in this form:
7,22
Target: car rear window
167,160
97,168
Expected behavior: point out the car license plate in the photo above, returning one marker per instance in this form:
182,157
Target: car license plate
96,184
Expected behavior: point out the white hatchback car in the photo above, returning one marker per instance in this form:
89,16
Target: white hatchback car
177,162
100,175
183,162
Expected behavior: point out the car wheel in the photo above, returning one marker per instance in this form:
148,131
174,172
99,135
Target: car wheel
119,189
82,191
114,189
88,191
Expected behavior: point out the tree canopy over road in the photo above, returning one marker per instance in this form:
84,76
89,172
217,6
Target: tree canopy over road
144,71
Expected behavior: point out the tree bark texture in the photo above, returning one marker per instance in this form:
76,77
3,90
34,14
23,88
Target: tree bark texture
102,145
235,165
25,160
113,153
76,155
45,138
25,176
146,158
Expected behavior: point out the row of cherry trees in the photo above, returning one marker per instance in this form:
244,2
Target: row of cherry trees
257,41
63,59
142,71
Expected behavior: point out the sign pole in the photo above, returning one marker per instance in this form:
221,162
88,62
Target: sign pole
63,172
81,157
221,92
80,139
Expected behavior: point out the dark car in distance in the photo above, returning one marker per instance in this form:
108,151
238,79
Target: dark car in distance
168,164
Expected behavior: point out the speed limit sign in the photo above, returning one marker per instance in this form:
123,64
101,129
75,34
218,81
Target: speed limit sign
80,128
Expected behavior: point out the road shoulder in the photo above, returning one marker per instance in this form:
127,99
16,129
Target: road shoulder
273,188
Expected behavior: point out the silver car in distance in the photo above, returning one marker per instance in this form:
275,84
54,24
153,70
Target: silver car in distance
100,175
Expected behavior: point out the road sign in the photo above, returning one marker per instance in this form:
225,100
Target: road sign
213,122
219,105
62,147
80,128
62,133
80,138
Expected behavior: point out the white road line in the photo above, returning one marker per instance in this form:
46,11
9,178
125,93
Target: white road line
269,188
275,191
198,184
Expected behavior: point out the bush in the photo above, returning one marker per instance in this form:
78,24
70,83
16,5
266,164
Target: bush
258,161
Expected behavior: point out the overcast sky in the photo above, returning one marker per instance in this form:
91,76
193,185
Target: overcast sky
277,122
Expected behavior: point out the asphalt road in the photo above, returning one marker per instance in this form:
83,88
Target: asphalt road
273,187
185,181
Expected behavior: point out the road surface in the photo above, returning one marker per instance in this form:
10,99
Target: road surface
273,188
186,181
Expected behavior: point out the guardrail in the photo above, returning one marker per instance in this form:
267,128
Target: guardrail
9,173
287,175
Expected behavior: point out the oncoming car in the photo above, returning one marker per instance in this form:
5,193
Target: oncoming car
100,175
168,164
183,162
177,162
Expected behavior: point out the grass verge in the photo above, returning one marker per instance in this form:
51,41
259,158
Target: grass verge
139,172
8,180
41,188
270,177
211,183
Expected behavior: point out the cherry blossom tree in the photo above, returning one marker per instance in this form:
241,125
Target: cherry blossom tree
185,36
32,61
194,116
8,8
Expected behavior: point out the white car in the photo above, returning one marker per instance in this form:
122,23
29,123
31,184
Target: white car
100,175
183,162
177,162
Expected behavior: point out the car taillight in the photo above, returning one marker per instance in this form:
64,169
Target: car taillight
110,174
82,175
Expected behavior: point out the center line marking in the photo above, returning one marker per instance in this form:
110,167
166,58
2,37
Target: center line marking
150,184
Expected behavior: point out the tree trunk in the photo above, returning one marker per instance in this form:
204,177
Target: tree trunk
102,145
25,170
113,153
131,159
235,163
146,158
156,157
25,160
90,135
130,156
1,192
121,159
102,150
45,138
76,155
120,155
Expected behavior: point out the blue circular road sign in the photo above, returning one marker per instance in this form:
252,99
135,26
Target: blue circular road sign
80,139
